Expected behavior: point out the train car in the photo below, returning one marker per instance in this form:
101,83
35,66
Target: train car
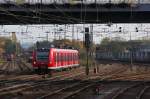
137,56
46,60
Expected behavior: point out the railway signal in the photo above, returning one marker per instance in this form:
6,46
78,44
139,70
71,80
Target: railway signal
87,45
136,29
120,29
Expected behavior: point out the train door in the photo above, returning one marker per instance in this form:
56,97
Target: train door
74,58
77,58
63,58
58,59
55,64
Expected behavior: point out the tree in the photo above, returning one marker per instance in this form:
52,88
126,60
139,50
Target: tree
9,47
105,41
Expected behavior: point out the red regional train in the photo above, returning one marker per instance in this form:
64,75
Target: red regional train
46,60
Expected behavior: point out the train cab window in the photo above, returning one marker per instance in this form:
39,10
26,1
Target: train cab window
42,55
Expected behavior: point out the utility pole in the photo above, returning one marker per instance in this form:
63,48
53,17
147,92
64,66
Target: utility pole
14,39
65,31
72,33
131,53
47,36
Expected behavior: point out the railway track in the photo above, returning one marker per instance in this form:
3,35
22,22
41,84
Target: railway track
144,94
133,77
30,78
35,85
65,92
5,68
32,84
132,92
69,91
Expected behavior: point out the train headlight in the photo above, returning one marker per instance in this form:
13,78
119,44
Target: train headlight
34,62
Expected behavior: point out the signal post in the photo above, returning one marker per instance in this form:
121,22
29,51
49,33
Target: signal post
87,46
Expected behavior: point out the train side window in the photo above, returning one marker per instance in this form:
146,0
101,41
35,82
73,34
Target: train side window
65,57
58,57
72,56
55,57
61,57
69,57
76,57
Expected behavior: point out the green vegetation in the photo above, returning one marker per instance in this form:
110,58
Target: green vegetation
120,45
8,46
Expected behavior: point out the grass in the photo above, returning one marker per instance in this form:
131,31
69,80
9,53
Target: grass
1,61
83,62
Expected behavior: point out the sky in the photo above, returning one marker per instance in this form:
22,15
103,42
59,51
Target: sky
29,34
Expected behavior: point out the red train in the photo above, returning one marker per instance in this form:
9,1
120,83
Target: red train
54,59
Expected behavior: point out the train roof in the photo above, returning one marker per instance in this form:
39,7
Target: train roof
70,50
56,49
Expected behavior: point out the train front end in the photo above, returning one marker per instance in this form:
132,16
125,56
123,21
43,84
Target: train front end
41,60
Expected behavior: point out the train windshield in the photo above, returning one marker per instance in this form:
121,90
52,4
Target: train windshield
42,55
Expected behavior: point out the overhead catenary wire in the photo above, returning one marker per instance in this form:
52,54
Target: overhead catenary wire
16,16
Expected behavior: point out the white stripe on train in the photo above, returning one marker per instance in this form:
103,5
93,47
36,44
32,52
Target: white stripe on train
58,67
